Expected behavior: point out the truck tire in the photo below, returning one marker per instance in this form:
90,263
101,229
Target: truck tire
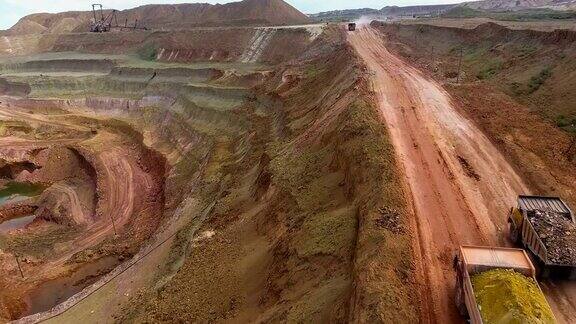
572,275
514,234
544,272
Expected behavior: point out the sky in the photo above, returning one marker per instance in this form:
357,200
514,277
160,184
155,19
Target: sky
12,10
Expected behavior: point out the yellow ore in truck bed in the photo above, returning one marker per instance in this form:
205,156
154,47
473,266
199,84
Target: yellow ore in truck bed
507,296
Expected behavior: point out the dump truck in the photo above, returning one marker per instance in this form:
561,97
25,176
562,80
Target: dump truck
545,226
473,261
352,26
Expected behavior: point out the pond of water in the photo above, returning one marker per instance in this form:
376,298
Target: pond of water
19,190
52,293
15,191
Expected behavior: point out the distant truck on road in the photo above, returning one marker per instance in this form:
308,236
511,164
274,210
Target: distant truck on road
545,226
351,26
473,261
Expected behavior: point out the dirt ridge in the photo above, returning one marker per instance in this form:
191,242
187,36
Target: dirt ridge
244,13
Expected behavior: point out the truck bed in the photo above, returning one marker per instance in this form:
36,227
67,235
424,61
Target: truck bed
551,239
529,203
539,236
477,259
558,234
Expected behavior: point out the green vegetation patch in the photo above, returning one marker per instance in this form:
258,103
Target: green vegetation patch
532,15
506,296
538,80
489,70
303,175
480,59
525,50
567,123
327,233
148,52
462,12
313,71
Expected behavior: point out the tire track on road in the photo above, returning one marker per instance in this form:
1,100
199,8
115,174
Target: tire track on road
431,139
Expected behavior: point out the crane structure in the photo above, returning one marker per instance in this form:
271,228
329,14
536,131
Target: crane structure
103,24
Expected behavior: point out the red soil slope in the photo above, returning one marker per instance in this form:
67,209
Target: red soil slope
247,12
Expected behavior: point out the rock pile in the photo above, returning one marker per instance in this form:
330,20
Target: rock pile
558,233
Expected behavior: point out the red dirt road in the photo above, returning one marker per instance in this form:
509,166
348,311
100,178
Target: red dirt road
461,186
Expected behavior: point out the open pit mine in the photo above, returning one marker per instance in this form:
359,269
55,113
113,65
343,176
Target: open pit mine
183,173
242,163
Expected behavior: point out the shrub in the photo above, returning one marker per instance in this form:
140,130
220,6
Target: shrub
538,80
148,52
489,71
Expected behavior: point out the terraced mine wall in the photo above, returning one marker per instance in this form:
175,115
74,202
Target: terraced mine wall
181,121
311,187
59,65
281,196
220,44
75,205
13,88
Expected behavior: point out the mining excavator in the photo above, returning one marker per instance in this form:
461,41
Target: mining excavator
103,24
